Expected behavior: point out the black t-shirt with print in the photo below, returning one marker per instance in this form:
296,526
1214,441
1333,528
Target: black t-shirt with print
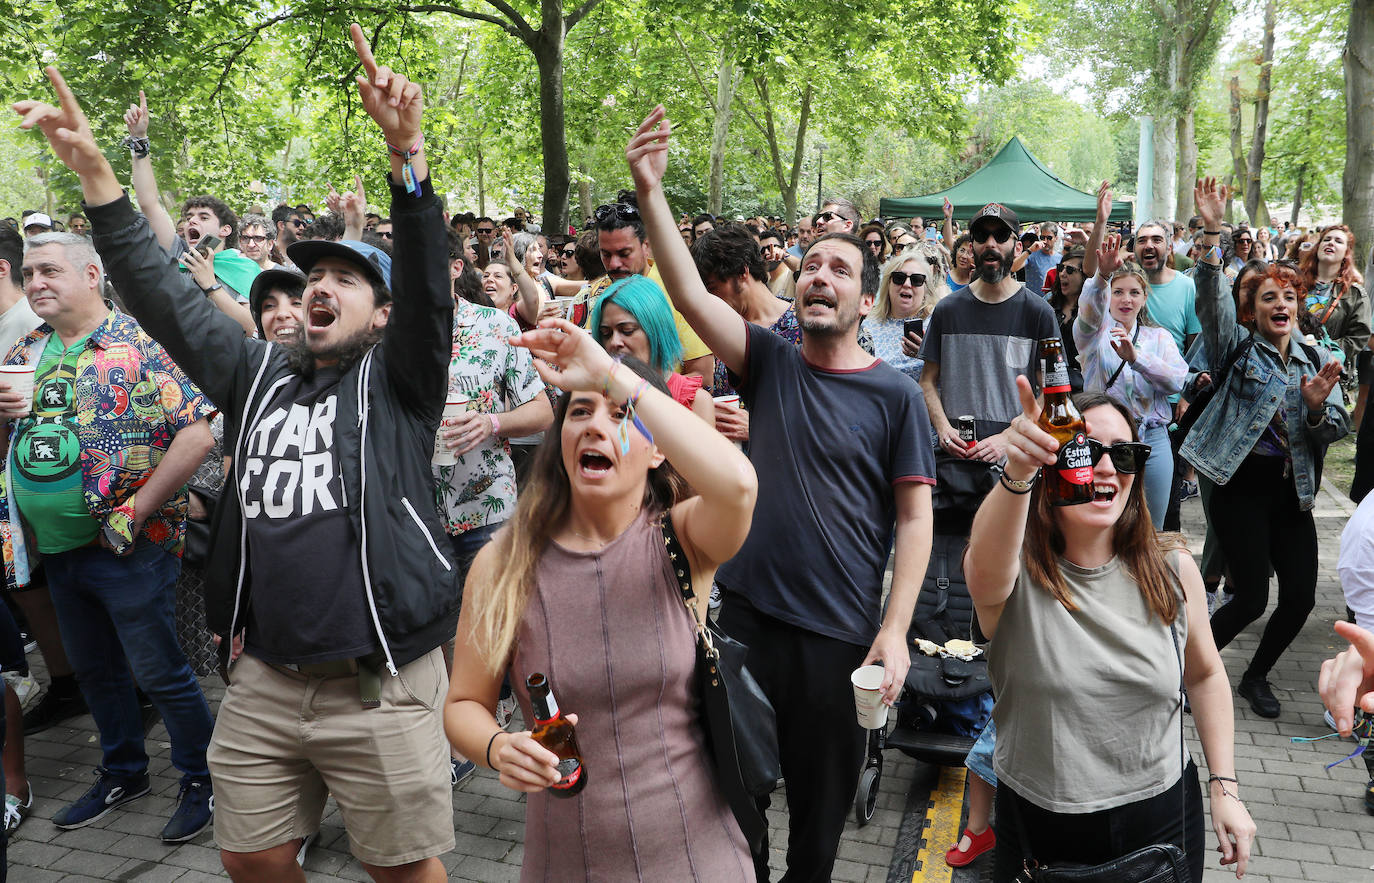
308,603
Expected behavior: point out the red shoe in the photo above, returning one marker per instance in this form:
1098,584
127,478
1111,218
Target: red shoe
978,844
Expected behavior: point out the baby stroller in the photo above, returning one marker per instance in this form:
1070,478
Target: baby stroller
947,700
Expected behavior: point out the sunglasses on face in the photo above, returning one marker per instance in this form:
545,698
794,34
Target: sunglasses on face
826,217
623,211
875,244
1049,238
297,222
899,278
1068,269
1001,234
1127,457
1244,241
386,235
485,231
569,254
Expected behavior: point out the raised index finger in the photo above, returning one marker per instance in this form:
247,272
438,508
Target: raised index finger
364,51
64,94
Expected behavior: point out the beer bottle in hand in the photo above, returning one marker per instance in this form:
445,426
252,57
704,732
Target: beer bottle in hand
1070,480
556,733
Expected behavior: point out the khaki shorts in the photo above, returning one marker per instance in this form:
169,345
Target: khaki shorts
283,742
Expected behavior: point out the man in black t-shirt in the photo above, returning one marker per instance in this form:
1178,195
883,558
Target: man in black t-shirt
841,444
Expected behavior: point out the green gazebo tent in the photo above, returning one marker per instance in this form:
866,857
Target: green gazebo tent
1017,180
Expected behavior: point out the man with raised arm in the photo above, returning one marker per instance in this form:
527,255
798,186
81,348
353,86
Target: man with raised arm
327,556
846,457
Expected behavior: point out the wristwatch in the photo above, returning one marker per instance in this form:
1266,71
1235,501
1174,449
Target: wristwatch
1019,487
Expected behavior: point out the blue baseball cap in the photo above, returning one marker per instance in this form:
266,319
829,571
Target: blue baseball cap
373,261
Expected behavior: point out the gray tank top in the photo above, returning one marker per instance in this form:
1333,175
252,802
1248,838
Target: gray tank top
1087,710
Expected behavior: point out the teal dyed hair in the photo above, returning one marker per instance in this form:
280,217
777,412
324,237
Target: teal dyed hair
643,299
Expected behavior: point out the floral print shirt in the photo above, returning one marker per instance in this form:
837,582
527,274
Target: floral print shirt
130,400
495,376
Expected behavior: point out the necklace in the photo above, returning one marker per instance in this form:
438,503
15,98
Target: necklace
600,544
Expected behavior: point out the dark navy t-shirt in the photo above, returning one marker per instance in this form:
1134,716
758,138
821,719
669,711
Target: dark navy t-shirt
828,446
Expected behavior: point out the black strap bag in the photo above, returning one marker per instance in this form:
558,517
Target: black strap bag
736,717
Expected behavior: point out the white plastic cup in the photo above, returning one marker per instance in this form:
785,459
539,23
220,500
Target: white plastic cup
564,304
453,408
868,696
732,400
20,380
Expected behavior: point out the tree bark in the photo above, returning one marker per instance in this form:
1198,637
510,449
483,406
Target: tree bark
787,183
1357,186
584,193
1297,195
1254,197
1166,164
1237,152
548,54
1187,167
727,79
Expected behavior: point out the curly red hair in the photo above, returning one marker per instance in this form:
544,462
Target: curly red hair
1283,275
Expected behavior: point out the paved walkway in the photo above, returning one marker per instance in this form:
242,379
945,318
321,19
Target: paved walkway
1313,826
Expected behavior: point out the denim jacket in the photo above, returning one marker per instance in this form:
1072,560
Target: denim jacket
1259,383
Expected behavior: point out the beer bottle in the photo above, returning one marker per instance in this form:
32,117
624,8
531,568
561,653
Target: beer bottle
1070,480
557,734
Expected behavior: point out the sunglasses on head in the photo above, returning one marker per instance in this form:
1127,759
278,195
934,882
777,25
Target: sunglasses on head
1127,457
900,278
1001,234
621,210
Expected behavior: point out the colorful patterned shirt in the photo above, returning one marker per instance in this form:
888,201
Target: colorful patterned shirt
130,400
495,376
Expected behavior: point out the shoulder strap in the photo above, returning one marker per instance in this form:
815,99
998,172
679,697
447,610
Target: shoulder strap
677,557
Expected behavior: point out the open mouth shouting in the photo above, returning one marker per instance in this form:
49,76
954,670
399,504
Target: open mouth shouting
592,464
320,314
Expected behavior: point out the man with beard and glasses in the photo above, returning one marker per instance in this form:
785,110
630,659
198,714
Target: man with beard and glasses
329,558
777,263
288,224
979,338
838,215
804,593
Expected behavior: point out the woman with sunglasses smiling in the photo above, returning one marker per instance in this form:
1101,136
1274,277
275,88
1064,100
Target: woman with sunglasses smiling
1127,356
1259,440
1088,766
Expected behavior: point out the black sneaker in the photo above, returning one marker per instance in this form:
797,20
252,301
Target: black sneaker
108,793
195,810
53,709
1262,701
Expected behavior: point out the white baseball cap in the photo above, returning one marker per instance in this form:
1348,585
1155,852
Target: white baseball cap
38,219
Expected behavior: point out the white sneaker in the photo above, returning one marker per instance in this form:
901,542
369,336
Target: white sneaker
24,686
505,710
713,602
16,811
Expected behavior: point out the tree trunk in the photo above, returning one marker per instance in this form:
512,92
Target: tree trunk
481,185
1297,195
1254,198
727,79
1187,167
1357,187
548,54
787,183
1237,152
1229,183
1166,160
584,193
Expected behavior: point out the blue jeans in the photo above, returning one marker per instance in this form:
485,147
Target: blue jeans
116,614
1159,472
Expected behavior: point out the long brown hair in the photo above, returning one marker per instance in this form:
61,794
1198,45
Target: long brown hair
1347,275
1134,540
499,601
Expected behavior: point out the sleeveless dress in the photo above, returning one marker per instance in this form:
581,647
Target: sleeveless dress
612,635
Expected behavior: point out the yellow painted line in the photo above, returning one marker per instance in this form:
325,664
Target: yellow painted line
942,828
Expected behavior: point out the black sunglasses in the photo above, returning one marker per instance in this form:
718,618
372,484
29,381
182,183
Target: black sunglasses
1245,241
386,235
826,217
486,230
1127,457
296,222
900,278
569,253
1047,238
620,210
1001,234
1069,269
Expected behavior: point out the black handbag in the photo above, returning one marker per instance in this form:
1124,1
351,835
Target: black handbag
736,717
1156,863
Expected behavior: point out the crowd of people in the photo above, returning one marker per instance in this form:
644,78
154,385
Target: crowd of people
377,470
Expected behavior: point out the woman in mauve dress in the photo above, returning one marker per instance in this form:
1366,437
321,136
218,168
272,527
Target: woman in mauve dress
578,586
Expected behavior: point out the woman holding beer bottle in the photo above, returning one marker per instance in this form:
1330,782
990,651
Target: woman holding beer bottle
1130,358
579,589
1089,767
